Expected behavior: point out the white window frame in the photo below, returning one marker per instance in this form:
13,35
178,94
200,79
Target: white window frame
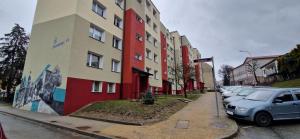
99,8
118,22
138,57
113,88
155,58
120,3
149,54
116,66
96,32
117,43
100,87
156,74
100,60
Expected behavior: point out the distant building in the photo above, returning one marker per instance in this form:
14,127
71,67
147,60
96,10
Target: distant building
270,71
242,76
208,76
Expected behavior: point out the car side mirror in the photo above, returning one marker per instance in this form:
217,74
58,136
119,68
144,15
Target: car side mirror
277,101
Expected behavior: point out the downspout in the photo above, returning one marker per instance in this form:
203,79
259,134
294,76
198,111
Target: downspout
176,85
122,58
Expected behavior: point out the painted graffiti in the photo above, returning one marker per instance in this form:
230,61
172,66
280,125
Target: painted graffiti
57,44
43,94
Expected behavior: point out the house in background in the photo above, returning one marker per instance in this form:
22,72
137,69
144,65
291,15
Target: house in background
241,75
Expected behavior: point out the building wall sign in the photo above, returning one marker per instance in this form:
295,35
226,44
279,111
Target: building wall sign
57,44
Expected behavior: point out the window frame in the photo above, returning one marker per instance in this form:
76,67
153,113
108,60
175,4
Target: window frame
100,87
101,6
100,60
113,89
120,43
113,63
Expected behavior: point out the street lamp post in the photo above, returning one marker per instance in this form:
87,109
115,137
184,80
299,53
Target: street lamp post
203,60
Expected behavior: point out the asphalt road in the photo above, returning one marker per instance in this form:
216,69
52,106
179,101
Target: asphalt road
279,130
16,128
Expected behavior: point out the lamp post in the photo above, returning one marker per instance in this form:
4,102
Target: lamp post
211,59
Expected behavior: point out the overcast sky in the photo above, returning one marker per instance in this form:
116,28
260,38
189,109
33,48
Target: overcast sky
218,28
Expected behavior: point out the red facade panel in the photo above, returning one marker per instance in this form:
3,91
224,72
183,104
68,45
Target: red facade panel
79,94
134,44
164,64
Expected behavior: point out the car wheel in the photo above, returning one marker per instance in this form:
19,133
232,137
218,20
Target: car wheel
263,119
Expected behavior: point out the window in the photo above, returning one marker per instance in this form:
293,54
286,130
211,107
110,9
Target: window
298,96
148,20
118,22
139,37
148,37
99,9
155,74
155,42
148,54
139,19
139,1
111,88
285,97
138,57
148,4
97,86
148,70
115,66
154,27
117,43
155,58
97,33
120,3
154,13
94,60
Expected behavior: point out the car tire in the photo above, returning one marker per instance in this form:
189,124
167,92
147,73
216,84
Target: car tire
263,119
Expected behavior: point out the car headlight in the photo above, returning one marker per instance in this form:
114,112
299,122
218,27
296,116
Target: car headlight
242,109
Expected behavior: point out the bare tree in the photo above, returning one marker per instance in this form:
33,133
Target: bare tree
184,74
252,66
224,73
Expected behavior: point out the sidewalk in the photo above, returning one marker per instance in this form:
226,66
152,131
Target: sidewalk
197,120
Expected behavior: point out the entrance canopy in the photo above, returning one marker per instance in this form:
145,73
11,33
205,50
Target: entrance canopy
142,73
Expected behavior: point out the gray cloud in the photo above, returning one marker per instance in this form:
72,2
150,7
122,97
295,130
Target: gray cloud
218,28
221,28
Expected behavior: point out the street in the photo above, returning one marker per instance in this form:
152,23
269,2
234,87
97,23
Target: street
279,130
16,128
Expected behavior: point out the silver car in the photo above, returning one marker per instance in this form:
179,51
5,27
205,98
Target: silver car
264,106
244,93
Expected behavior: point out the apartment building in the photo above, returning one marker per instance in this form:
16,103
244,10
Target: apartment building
83,51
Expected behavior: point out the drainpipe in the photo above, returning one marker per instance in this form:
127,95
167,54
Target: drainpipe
122,58
176,85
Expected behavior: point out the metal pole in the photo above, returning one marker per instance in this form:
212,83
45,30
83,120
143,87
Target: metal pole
214,77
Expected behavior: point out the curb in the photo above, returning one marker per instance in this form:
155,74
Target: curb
110,121
61,127
234,134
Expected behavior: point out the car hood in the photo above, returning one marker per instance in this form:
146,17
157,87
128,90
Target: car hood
234,98
247,103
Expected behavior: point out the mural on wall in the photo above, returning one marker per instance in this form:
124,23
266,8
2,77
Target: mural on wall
43,94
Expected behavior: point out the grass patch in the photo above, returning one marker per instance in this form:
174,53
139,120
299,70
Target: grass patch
287,84
135,112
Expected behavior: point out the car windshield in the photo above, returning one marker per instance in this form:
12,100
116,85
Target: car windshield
238,90
260,95
246,92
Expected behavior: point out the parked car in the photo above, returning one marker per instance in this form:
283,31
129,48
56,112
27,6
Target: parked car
244,93
2,135
264,106
233,92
